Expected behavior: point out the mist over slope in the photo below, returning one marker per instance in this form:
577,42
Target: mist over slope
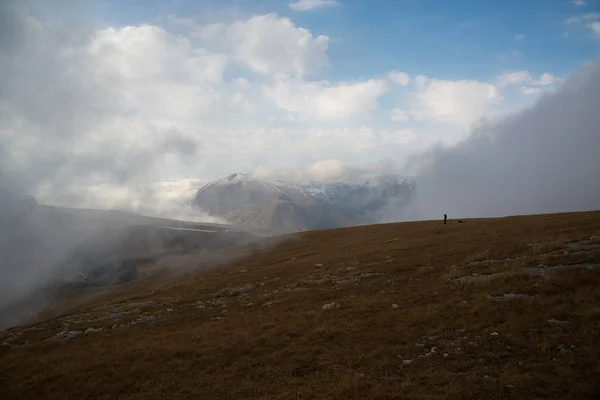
543,159
47,252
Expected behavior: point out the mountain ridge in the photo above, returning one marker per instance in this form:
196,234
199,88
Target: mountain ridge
286,206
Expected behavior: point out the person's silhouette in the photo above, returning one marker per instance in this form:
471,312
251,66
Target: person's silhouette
445,218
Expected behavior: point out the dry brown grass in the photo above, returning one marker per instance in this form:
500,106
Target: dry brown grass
276,342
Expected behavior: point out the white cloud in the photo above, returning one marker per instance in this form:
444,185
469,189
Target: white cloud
583,18
420,80
331,169
323,100
578,3
595,26
399,78
513,78
401,137
310,5
145,62
519,36
399,115
241,84
530,90
270,44
459,102
547,79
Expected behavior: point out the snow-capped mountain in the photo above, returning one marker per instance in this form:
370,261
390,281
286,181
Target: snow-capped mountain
276,206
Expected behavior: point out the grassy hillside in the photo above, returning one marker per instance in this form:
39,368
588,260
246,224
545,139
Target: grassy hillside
492,308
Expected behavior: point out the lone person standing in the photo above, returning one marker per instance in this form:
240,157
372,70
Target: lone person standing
445,219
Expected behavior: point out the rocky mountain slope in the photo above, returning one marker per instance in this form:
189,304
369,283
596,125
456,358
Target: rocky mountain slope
283,207
504,308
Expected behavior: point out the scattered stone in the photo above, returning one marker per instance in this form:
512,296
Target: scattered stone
390,240
545,270
539,270
494,334
318,265
509,297
594,238
486,378
215,318
558,322
446,355
169,310
141,303
112,315
395,306
243,271
143,319
65,335
433,350
540,245
350,268
268,304
243,289
407,362
330,306
475,277
356,278
93,330
248,305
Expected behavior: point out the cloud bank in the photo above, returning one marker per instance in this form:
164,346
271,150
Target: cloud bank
543,159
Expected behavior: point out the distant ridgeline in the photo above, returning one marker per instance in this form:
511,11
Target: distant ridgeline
282,206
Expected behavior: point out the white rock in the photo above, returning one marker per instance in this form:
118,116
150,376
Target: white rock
558,322
407,362
395,306
494,334
330,306
243,289
318,265
92,330
434,350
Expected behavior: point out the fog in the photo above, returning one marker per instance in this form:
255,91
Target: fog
543,159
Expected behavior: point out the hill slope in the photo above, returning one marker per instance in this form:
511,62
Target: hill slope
494,308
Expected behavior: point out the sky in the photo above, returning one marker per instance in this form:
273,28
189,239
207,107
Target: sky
100,97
